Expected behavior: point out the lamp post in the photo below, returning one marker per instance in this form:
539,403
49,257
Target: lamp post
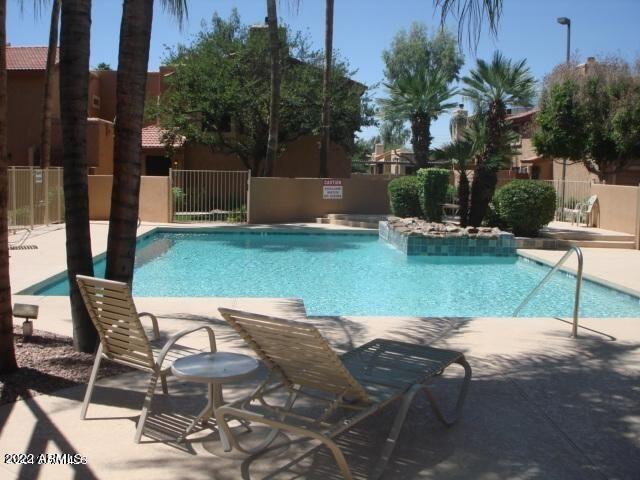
565,21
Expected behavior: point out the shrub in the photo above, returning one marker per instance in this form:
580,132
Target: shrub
404,196
433,191
525,206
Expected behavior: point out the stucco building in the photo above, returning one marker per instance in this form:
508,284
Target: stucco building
26,67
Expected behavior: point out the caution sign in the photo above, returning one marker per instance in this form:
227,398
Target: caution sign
331,189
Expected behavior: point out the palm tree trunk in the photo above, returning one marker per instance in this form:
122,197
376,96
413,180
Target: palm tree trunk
485,177
45,138
326,90
274,103
420,140
482,188
7,350
74,92
133,59
463,197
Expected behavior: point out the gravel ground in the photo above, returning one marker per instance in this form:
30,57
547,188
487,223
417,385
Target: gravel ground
47,363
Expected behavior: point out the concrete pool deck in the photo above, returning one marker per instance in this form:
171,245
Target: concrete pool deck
541,404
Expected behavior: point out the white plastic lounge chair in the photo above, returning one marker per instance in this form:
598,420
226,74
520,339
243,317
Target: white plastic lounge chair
583,211
349,388
124,340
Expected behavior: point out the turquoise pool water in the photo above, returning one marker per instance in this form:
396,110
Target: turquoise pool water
342,274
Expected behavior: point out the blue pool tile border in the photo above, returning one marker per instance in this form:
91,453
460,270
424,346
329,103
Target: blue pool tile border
410,243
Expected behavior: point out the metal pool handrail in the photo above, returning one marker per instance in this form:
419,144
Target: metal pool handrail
556,267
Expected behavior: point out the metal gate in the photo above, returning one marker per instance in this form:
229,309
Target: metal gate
209,195
35,195
568,194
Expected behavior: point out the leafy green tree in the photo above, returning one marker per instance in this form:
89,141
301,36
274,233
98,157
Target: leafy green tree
592,117
493,87
419,70
102,66
362,154
219,93
393,134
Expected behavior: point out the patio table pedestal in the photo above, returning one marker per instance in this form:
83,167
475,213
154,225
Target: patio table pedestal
215,369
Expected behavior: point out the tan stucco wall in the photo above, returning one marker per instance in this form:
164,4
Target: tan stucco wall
276,200
618,207
300,158
100,196
100,138
575,172
25,94
154,198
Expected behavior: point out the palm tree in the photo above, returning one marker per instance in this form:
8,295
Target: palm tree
74,79
460,152
45,138
274,102
418,97
133,59
492,87
326,89
7,350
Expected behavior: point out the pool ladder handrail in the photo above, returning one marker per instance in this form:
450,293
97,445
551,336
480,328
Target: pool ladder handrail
556,267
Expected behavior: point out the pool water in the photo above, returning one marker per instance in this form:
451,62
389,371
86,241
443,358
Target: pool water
347,274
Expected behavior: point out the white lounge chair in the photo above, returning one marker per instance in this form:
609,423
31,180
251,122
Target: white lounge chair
583,211
348,388
124,340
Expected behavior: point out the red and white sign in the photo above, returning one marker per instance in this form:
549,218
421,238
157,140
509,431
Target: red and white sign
331,189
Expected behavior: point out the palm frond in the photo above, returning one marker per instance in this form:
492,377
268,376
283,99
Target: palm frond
471,15
177,9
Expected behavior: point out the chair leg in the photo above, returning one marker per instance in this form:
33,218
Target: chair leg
145,407
450,420
390,443
163,382
91,384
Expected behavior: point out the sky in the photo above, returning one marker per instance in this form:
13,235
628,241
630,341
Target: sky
364,28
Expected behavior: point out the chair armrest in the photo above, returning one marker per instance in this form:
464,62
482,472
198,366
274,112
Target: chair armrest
154,323
172,341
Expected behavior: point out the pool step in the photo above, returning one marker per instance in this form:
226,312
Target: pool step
586,236
352,220
603,244
590,239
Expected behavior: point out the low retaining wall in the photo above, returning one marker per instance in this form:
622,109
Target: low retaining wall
281,200
411,242
618,207
154,198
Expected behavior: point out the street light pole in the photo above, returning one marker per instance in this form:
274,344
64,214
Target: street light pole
565,21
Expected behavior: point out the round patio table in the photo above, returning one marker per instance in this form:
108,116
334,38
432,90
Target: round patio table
215,369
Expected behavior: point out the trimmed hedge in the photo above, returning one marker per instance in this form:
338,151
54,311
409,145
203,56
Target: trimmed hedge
404,196
433,191
525,206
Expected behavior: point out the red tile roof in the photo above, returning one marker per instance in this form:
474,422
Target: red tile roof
152,137
28,58
522,116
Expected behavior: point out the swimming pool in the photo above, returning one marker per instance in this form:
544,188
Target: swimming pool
349,274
